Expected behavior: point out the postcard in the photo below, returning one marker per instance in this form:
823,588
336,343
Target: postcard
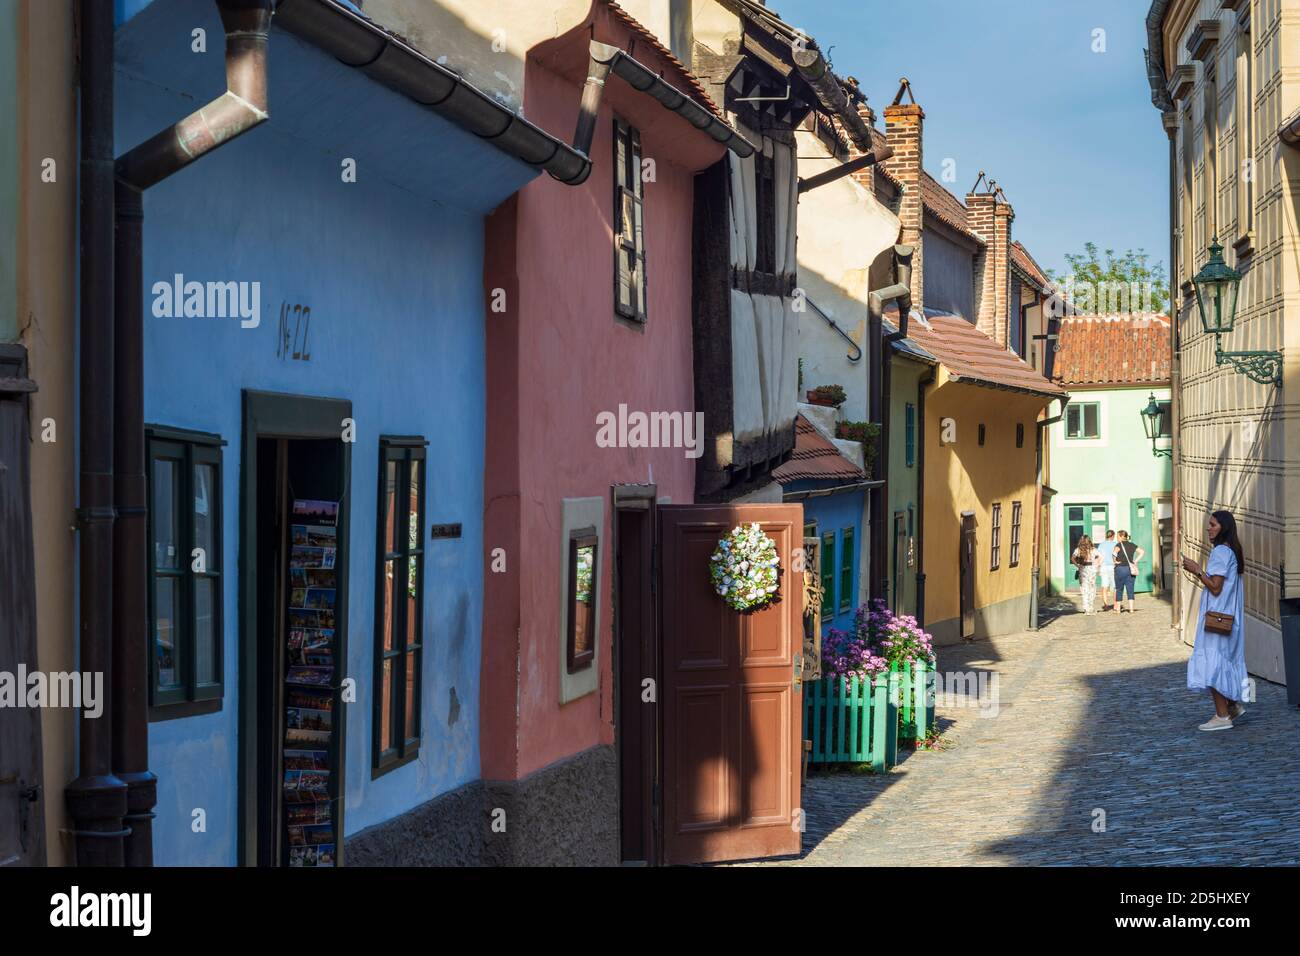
306,760
316,512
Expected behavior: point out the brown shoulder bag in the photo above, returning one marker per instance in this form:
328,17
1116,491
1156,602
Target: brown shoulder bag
1216,622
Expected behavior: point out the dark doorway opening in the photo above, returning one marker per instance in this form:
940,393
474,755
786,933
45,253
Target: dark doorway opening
293,450
966,573
636,659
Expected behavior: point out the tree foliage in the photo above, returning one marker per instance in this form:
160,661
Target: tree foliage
1090,274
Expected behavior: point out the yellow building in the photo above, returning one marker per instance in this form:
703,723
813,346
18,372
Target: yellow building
978,455
38,437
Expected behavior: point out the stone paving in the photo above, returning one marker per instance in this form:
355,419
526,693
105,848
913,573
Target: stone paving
1094,715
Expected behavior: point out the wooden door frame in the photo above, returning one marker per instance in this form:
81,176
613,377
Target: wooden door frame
644,499
1087,522
760,838
973,570
289,416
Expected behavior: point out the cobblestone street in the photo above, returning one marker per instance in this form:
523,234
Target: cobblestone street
1094,716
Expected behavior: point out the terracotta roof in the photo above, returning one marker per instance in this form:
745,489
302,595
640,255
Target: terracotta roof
693,83
1022,260
1113,350
946,207
816,458
971,356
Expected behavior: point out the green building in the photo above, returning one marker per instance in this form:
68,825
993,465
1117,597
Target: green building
1106,472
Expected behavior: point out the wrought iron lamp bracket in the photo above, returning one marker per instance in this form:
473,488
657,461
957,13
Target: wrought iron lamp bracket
1259,365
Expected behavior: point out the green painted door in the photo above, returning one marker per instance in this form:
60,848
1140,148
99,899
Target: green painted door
1139,529
1091,520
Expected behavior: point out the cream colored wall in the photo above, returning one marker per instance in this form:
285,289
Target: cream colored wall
963,476
1240,440
485,42
842,229
46,302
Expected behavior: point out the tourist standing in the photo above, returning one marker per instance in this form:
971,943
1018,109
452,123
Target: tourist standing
1086,561
1127,556
1106,584
1218,661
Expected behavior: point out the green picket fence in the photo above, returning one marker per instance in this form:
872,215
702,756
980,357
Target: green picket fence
916,693
849,720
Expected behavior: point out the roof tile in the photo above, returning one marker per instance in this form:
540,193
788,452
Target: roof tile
816,458
1113,350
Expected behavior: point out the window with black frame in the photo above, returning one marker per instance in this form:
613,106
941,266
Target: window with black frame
995,538
629,231
185,564
584,585
399,602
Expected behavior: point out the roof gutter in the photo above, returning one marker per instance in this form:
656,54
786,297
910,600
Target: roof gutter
359,43
838,489
813,68
606,59
1155,56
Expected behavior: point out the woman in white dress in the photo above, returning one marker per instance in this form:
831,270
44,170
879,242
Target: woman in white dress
1087,562
1218,661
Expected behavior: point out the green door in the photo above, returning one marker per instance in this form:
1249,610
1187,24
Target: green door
1091,520
1139,529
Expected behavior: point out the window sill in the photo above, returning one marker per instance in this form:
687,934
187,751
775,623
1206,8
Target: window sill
189,708
1244,246
377,772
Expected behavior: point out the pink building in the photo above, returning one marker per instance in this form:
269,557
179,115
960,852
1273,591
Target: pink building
589,328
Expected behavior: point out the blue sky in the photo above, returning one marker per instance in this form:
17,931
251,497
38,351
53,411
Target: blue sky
1013,87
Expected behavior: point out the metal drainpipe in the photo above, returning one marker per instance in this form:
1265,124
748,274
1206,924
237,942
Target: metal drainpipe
1175,376
878,411
96,799
247,25
924,383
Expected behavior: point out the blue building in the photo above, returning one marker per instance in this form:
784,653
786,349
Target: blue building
314,404
833,491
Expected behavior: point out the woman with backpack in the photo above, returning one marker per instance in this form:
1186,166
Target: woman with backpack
1127,556
1218,661
1086,561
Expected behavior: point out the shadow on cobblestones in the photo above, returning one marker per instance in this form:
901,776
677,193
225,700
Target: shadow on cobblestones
1094,726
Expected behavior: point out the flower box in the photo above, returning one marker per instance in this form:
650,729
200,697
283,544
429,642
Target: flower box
861,720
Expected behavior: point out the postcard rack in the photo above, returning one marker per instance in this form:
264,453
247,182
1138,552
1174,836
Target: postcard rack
311,788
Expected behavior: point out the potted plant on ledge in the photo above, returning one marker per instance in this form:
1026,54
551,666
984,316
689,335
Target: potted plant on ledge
832,396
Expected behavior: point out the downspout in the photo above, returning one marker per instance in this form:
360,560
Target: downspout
1175,378
921,386
878,410
96,799
247,25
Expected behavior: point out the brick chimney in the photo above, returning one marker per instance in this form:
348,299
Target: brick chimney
903,131
990,216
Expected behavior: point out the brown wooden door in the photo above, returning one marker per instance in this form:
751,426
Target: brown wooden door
22,812
731,705
966,564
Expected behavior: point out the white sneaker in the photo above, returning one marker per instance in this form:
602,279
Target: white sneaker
1217,723
1236,711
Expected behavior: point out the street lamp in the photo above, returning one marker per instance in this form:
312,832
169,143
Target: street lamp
1216,287
1151,420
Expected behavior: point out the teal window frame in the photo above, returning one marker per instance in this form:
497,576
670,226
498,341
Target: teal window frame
1076,418
846,569
828,569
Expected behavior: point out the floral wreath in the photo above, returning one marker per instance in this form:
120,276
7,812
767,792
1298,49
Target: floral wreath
745,568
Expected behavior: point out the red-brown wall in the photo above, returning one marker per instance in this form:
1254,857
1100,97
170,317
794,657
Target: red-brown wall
556,359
